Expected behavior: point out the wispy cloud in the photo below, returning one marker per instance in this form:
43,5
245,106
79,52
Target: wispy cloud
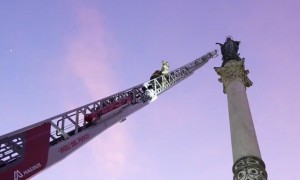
88,51
89,58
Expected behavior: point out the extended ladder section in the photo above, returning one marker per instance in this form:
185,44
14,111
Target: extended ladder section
29,150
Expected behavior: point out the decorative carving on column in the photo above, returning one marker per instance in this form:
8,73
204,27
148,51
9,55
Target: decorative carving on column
249,168
233,70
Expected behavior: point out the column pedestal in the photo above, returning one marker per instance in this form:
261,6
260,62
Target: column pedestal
246,154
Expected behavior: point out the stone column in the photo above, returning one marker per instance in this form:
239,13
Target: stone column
248,164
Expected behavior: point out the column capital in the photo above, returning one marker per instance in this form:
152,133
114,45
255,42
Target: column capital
249,168
233,70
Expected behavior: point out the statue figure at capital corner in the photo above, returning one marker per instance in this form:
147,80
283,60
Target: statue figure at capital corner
229,50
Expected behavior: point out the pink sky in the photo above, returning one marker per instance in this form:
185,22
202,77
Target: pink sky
67,54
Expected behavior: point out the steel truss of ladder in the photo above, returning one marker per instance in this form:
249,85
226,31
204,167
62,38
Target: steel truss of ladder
69,124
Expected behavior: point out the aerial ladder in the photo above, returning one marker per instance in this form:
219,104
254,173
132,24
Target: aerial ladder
30,150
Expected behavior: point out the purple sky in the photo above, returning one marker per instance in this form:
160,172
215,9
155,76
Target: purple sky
68,53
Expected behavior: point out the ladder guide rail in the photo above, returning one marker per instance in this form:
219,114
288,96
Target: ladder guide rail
61,135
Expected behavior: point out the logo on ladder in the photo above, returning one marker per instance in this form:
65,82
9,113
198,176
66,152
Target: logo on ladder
17,175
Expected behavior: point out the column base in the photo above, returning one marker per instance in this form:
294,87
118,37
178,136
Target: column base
249,168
